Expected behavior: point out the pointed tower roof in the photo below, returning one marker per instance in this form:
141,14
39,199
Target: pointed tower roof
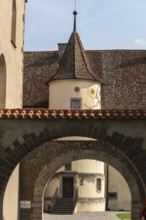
75,63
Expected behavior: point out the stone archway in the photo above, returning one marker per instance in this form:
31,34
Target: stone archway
66,151
2,81
27,132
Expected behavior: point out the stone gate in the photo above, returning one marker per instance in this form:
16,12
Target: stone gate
119,139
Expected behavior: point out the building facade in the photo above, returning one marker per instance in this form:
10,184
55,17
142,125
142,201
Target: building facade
75,85
95,73
84,177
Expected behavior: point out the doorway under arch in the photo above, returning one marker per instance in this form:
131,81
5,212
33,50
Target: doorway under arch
86,186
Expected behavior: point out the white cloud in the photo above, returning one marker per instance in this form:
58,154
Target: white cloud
140,41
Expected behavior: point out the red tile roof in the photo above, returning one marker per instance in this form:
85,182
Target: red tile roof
71,114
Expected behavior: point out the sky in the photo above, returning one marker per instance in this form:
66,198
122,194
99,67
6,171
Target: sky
101,24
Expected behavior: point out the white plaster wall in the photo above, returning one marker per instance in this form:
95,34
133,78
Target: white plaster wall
89,189
88,166
91,206
11,197
118,184
13,56
61,91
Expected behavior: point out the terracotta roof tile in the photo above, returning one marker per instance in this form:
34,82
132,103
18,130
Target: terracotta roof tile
71,114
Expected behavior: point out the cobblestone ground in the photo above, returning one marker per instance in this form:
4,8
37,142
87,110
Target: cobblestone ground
84,216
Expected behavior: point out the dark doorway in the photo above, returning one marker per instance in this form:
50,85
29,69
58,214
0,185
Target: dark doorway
67,187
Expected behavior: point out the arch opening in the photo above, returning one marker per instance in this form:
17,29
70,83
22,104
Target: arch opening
108,145
63,152
98,187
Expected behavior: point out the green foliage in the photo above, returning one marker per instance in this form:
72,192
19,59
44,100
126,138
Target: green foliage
126,215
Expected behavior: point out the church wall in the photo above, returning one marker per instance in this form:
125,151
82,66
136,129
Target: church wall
13,52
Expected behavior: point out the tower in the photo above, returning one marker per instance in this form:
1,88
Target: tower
76,86
75,79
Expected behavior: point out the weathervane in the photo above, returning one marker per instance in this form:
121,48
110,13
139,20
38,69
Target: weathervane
75,5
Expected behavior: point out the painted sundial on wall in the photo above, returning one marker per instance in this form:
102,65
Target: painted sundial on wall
94,94
92,91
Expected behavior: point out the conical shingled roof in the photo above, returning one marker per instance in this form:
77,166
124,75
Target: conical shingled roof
75,63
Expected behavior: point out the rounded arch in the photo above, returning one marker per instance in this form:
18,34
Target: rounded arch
114,133
2,81
99,150
64,152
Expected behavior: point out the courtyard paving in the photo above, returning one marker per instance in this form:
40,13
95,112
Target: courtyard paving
84,216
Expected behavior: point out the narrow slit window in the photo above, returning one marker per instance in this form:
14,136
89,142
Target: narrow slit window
13,26
98,184
2,81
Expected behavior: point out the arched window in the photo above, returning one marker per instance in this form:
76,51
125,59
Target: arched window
2,81
13,28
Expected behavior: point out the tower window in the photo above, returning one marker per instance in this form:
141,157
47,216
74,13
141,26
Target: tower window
112,195
75,103
68,166
13,25
98,184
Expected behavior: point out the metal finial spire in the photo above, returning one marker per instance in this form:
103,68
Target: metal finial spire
75,13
